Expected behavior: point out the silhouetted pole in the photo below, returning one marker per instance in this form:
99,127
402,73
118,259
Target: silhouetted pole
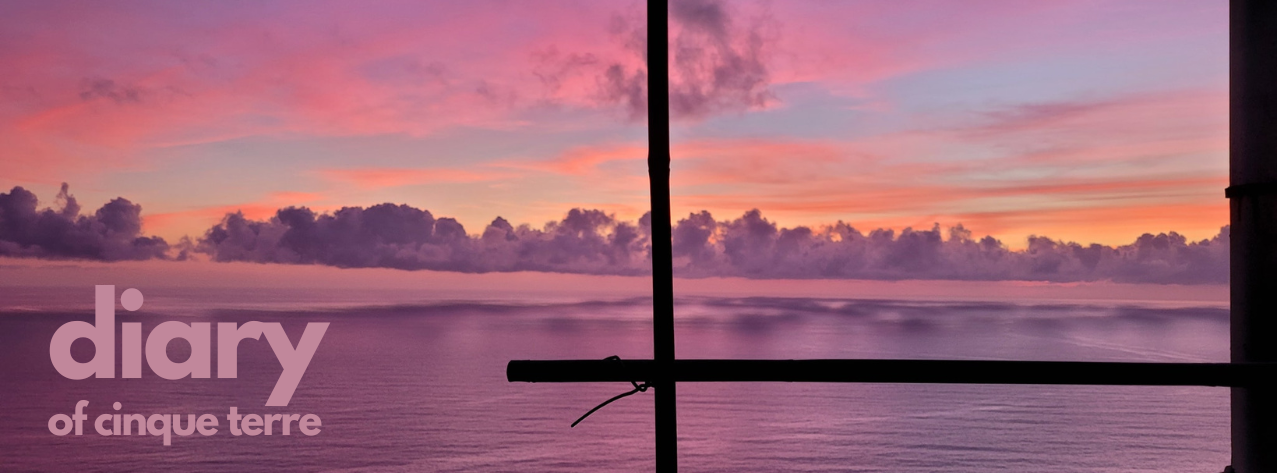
1253,201
658,169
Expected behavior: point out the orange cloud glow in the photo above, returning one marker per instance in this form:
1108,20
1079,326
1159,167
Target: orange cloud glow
372,178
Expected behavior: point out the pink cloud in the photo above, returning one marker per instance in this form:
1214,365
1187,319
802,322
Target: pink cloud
193,221
91,89
157,77
373,178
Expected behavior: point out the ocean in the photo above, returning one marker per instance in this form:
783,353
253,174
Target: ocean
410,382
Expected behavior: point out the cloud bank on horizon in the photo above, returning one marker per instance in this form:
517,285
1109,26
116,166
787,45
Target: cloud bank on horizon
594,242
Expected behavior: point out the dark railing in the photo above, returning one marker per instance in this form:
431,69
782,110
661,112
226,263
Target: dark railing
899,371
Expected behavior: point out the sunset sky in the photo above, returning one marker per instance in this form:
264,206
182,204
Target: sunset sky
1089,121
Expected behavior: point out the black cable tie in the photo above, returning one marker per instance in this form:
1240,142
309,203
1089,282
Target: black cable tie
638,388
1250,190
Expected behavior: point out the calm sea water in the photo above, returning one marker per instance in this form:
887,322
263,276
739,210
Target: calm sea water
419,385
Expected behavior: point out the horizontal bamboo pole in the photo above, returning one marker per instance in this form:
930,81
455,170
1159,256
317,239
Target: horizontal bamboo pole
900,371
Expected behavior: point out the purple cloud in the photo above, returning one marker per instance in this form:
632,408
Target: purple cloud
717,64
593,242
110,234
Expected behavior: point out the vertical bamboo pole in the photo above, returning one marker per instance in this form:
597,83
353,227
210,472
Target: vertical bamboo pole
658,167
1253,203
